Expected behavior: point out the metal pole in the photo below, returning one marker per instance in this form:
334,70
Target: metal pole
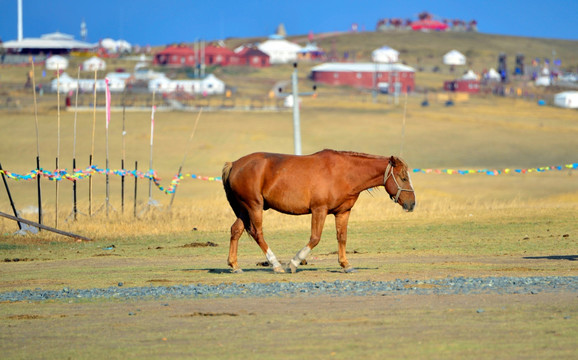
296,120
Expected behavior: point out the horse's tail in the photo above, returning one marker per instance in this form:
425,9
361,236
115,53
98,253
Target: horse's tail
232,198
227,185
226,173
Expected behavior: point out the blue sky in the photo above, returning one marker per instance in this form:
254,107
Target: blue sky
166,21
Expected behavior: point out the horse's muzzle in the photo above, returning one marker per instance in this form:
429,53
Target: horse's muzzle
408,206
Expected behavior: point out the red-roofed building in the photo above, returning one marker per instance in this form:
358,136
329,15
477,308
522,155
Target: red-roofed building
178,55
220,55
253,57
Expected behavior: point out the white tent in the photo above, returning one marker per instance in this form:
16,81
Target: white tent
493,75
543,81
210,85
280,51
50,42
567,99
116,46
94,63
56,62
385,54
470,75
454,57
67,83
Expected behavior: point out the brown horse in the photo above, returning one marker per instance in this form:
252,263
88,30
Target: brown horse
327,182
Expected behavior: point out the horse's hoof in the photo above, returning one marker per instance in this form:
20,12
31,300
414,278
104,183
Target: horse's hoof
278,270
349,270
293,268
237,271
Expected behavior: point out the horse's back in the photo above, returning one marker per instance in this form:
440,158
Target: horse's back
280,181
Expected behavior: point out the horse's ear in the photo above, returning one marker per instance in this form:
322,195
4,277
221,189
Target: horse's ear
392,161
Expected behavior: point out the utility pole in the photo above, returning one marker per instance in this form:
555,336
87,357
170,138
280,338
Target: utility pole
296,114
296,120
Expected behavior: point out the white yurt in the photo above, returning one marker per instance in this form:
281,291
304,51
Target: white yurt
280,51
385,54
454,57
493,75
470,75
211,85
567,99
64,83
543,81
56,62
94,63
108,44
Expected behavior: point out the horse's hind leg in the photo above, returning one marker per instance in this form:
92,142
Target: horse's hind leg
236,231
256,231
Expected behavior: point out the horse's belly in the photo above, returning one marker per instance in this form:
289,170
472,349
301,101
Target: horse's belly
289,203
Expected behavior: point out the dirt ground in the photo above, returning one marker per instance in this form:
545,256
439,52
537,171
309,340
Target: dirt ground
540,326
105,271
529,326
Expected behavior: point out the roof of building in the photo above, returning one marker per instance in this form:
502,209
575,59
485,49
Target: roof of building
49,41
218,50
250,51
361,67
176,50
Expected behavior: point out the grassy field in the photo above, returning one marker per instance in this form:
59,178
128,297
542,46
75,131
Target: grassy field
463,225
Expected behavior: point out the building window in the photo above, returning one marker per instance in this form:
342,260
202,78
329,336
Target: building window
335,75
358,75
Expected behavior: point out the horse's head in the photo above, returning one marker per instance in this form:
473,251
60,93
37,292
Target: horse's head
398,184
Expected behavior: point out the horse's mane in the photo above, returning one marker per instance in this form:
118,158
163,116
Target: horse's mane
364,155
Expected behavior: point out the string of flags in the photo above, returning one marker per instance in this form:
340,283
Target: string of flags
79,174
495,172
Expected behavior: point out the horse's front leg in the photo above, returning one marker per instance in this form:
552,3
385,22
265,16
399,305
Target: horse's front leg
317,221
341,221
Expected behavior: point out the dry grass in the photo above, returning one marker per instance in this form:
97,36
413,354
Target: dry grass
482,133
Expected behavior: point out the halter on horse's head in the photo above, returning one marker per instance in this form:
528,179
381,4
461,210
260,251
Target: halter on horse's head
408,201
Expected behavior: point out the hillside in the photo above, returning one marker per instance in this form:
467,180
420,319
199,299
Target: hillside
424,48
421,50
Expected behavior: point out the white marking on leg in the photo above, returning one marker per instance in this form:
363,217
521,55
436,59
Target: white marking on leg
300,256
272,259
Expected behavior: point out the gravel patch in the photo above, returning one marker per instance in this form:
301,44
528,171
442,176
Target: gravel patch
449,286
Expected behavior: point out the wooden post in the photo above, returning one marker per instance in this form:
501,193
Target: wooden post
37,145
92,148
40,226
135,186
57,141
185,156
10,197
